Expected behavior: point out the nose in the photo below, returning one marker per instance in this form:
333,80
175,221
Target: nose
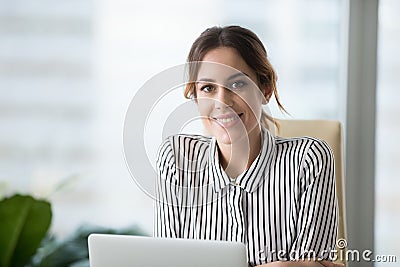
223,98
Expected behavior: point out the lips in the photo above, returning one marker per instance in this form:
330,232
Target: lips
227,120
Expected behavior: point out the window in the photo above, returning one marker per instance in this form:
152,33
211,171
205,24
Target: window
387,213
68,70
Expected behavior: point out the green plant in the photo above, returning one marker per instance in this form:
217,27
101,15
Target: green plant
24,221
73,251
25,241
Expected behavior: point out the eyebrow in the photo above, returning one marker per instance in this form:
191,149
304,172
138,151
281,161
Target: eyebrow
238,75
229,78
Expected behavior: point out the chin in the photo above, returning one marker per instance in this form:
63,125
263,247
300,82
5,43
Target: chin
226,137
223,135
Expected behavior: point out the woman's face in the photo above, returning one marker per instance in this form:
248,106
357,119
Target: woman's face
228,97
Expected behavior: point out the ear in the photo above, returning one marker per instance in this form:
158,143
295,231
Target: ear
267,92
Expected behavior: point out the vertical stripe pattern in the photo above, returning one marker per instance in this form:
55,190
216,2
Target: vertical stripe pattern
283,207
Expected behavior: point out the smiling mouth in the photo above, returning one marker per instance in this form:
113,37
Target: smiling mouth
228,120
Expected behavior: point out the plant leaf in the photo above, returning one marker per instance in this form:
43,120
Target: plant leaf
24,222
74,250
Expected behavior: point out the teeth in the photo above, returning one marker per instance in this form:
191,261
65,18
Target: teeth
226,120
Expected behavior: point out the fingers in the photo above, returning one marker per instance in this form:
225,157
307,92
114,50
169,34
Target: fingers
331,264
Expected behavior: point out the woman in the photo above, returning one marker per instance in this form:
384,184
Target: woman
243,183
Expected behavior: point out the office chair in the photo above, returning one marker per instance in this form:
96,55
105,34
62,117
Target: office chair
331,132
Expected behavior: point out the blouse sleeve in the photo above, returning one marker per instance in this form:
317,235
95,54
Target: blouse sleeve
166,219
317,218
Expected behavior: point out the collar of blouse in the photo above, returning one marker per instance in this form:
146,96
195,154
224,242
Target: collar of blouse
250,179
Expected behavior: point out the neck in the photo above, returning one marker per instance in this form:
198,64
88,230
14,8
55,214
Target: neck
237,157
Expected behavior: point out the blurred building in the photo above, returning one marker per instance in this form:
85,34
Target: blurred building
68,70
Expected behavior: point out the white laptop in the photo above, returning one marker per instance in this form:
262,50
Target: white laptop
124,251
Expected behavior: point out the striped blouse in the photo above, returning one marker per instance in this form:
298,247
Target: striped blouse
283,207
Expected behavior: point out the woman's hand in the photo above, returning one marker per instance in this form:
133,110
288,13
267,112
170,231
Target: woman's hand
302,263
330,264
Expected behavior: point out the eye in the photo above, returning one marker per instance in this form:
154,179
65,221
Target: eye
238,84
207,88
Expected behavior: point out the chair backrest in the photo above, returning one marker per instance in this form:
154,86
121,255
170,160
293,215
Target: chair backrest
330,132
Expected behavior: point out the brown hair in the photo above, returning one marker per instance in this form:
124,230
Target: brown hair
248,46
